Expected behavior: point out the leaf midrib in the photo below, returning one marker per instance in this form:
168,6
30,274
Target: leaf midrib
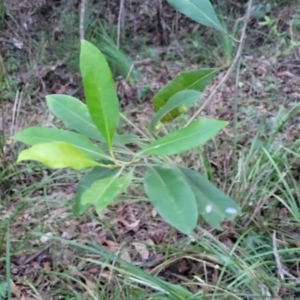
205,16
179,213
74,144
71,112
176,140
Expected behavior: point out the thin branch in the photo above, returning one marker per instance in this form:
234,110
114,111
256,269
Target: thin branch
233,64
280,269
277,258
120,23
134,126
81,21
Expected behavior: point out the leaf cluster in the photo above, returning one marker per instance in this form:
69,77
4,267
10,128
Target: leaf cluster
92,142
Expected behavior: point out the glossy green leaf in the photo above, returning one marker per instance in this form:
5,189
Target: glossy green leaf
200,11
86,181
183,100
196,134
37,135
172,197
191,80
74,114
58,155
102,192
99,90
213,204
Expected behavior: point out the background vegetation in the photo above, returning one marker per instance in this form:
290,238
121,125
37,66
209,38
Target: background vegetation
128,252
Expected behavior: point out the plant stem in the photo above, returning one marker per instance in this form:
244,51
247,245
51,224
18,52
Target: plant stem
134,126
234,62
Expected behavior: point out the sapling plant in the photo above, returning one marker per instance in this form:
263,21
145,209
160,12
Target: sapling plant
93,143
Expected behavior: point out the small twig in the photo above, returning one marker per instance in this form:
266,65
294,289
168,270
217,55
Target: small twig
81,22
134,126
287,274
161,24
138,63
3,78
16,112
234,62
119,23
280,269
35,255
143,62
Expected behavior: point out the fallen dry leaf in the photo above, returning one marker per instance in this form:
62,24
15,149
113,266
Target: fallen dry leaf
142,250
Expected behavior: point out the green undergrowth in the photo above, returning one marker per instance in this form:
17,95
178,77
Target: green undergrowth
54,51
256,257
243,262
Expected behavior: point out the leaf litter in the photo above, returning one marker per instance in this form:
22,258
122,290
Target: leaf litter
130,230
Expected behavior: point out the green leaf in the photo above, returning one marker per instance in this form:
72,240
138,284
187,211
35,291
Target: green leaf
58,155
3,290
213,204
196,134
37,135
191,80
200,11
99,89
74,114
172,197
182,99
86,181
102,192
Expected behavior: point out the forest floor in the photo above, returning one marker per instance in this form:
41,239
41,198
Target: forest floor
47,253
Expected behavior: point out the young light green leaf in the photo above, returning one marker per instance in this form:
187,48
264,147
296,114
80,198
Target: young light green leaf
99,89
37,135
191,80
102,192
172,197
213,204
86,181
183,100
200,11
74,114
196,134
58,155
